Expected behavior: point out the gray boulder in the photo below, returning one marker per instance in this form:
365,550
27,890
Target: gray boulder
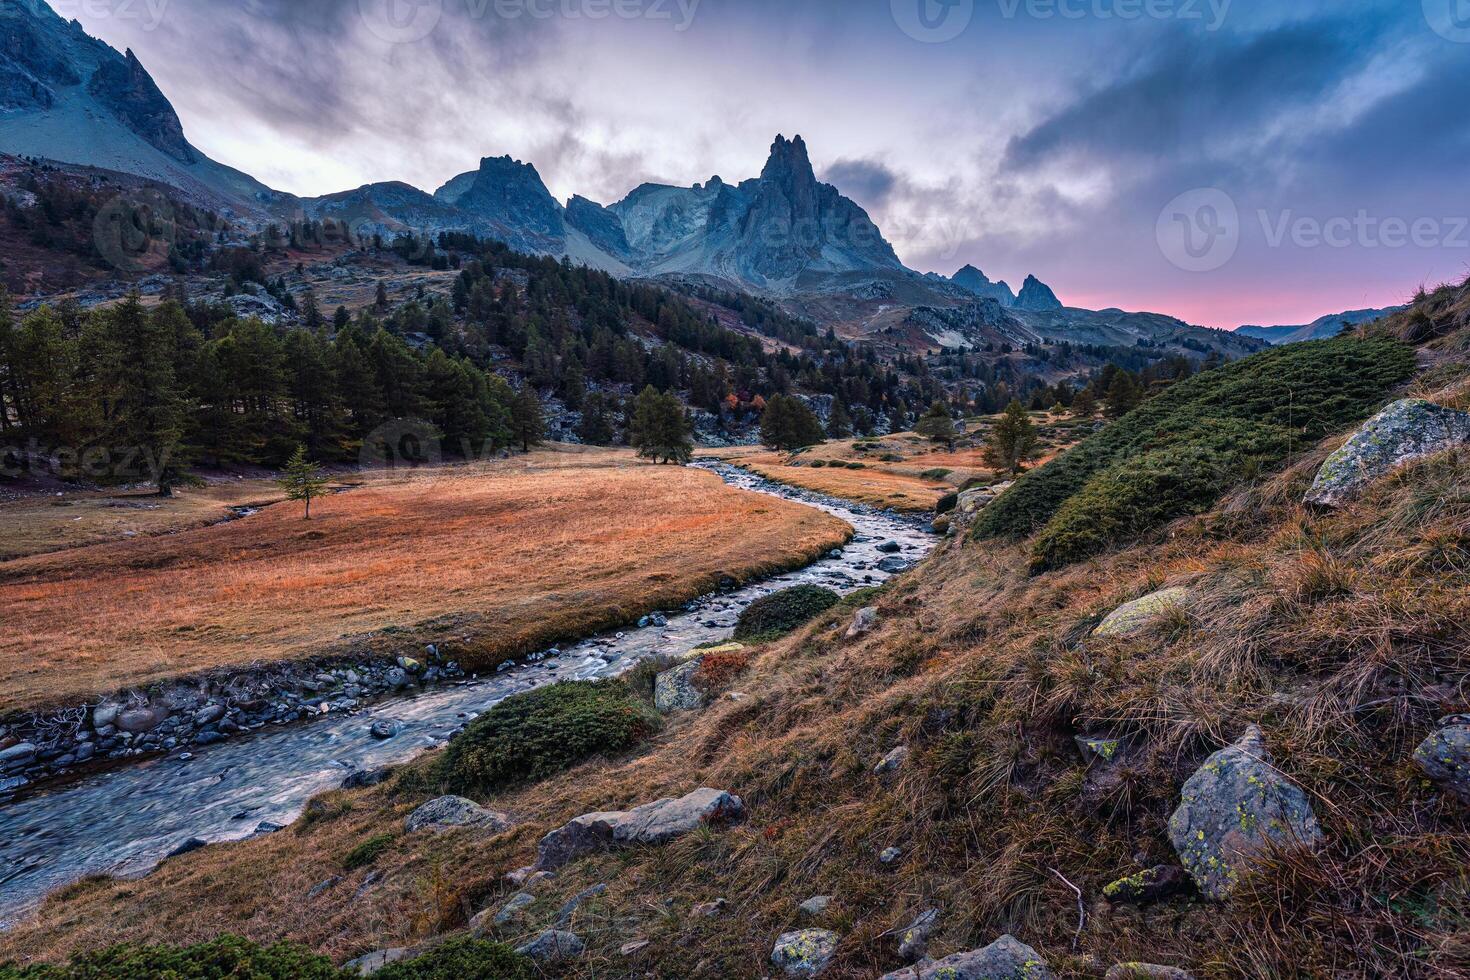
553,946
449,812
508,914
364,778
1231,809
892,762
674,690
373,962
1405,431
1147,971
650,824
17,755
140,720
815,905
913,942
805,952
1445,756
1138,616
1005,959
863,623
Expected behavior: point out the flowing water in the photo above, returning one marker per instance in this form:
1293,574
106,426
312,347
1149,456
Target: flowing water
125,821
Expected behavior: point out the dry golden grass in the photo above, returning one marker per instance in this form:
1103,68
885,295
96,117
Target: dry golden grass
37,525
1334,632
490,561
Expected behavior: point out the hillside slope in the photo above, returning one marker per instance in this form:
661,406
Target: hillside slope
1339,633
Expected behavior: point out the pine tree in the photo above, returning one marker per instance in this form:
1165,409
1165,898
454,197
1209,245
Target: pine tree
1084,406
839,423
302,479
787,424
595,429
1124,394
659,427
527,423
1012,440
141,398
937,426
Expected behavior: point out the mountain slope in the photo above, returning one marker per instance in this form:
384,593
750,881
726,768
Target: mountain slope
67,96
1323,328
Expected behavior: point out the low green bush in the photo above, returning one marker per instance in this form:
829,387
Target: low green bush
226,958
367,852
781,612
540,733
935,475
818,464
462,958
1177,453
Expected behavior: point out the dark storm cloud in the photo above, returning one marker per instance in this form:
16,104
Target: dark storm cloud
868,182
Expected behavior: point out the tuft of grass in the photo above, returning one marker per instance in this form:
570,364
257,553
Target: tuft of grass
368,851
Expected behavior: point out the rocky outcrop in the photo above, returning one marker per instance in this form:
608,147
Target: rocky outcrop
864,621
1146,971
1140,615
126,88
913,942
977,282
553,946
650,824
1445,756
972,502
373,962
601,226
453,812
1231,809
1037,297
1148,886
805,952
1403,432
674,690
1005,959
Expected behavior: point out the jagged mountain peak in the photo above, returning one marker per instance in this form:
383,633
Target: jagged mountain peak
1037,297
973,280
789,163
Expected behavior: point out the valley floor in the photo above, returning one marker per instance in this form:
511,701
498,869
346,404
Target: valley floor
491,560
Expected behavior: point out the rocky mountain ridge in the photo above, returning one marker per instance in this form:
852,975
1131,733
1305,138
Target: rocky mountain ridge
1321,328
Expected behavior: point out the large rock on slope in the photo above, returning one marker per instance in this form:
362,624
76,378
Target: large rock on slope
450,812
651,823
1231,809
674,690
1403,432
1133,618
1445,756
805,953
1005,959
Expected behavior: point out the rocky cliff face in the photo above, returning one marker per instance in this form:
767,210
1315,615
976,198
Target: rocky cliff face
1037,297
977,282
507,199
128,90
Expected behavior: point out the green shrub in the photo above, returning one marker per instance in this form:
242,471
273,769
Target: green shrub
935,475
781,612
818,464
367,852
539,733
461,958
226,958
1177,453
857,466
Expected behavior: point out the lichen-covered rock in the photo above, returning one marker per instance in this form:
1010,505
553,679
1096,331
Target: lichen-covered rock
652,823
1445,756
1147,971
1005,959
449,812
1145,887
805,953
913,942
1403,432
674,690
1138,616
373,962
1100,748
892,762
1231,808
553,946
815,906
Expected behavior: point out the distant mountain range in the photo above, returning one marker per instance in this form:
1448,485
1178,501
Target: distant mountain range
1323,328
69,98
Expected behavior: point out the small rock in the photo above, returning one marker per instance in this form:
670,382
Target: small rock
410,665
324,886
449,812
188,846
805,953
1146,971
373,962
266,827
1445,756
1102,749
634,947
1134,618
17,755
105,715
894,566
507,914
363,778
815,905
890,855
890,548
140,720
552,946
913,942
1231,808
708,910
650,824
209,714
864,621
384,730
397,678
1146,887
892,762
565,913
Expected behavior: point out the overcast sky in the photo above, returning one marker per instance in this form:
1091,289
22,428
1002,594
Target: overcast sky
1226,161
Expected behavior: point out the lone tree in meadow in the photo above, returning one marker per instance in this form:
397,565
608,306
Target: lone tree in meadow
1012,440
303,479
937,425
658,427
787,424
527,423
